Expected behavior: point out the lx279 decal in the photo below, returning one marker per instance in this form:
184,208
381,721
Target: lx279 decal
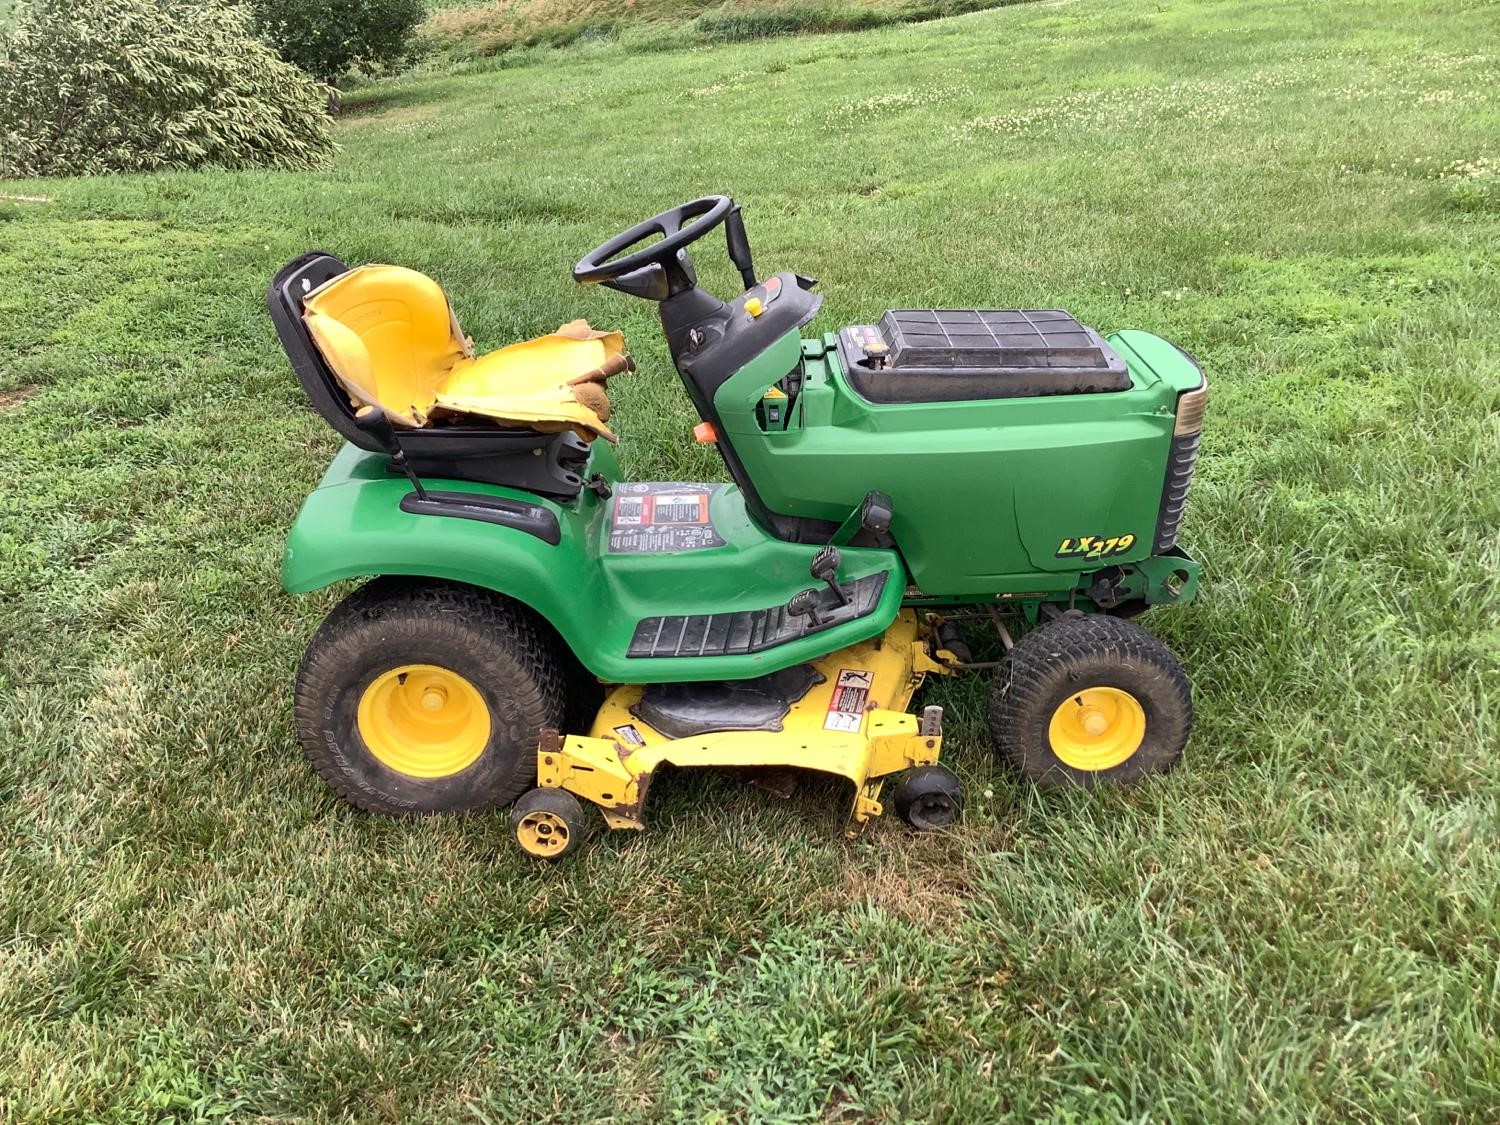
1095,546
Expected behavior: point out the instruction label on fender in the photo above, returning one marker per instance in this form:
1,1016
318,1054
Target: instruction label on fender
630,736
655,517
851,693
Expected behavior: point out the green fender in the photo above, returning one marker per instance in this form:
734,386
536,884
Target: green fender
352,526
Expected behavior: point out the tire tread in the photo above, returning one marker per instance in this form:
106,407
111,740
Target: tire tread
469,615
1028,680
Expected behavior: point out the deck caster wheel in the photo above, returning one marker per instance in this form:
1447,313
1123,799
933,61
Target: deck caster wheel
548,823
928,798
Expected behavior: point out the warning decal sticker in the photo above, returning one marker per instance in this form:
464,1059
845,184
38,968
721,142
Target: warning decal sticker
656,517
628,734
851,692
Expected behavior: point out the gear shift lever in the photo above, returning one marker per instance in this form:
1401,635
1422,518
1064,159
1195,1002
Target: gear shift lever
825,568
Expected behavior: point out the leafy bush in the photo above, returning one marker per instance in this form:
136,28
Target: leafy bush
329,38
95,86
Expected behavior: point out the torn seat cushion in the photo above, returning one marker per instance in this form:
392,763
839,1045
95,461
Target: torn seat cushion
392,341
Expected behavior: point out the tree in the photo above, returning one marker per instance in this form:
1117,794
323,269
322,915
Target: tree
329,38
95,86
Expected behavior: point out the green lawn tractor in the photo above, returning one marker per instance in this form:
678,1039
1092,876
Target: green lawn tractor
538,630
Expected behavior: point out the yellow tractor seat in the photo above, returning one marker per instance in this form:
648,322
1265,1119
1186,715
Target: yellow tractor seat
390,338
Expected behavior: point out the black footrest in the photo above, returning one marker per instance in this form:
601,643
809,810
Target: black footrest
736,634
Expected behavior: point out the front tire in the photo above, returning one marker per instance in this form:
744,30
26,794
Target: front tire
1089,701
417,696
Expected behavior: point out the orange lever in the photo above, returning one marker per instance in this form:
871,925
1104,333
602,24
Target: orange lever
705,434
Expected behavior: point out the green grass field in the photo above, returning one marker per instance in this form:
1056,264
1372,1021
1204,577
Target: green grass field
465,29
1299,923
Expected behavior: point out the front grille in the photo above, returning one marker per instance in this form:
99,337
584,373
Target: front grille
1181,460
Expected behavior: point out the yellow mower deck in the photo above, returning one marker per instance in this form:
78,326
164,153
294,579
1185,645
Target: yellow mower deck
853,724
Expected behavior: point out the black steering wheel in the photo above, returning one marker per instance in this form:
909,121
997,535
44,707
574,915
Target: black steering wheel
678,226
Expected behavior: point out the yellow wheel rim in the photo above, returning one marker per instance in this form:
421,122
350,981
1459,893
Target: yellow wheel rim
1097,728
424,721
542,833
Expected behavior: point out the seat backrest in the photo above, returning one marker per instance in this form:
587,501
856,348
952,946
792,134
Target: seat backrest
389,335
292,283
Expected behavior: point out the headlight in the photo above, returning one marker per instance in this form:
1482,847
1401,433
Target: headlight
1190,406
1182,458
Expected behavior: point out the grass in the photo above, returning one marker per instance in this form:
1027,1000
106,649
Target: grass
464,29
1299,923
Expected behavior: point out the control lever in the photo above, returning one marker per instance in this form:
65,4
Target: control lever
372,420
825,568
873,516
805,604
739,245
875,513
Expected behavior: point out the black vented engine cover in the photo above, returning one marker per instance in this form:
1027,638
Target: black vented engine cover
951,355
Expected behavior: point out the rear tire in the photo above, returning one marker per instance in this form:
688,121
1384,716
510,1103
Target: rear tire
418,696
1089,701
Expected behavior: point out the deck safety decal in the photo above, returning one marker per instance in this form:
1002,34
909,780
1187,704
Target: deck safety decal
658,517
630,736
851,692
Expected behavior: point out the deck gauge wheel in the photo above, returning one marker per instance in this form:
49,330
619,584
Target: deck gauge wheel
928,798
548,823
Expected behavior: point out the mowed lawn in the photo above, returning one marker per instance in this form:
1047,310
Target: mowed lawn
1301,922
